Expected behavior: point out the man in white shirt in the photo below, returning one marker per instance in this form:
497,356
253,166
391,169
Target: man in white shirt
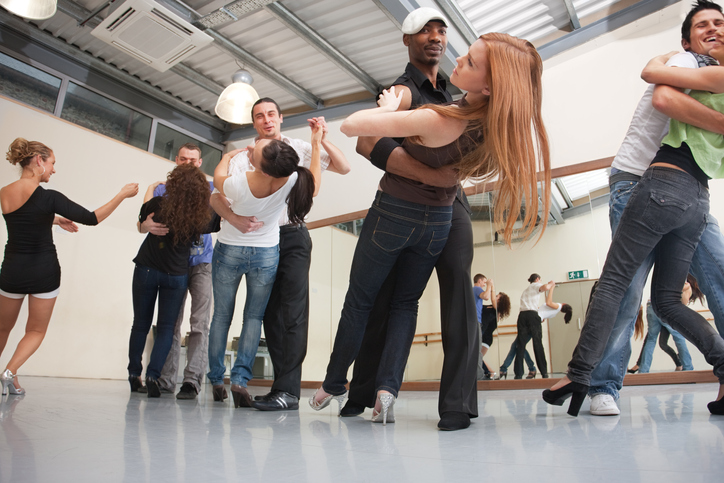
286,320
529,326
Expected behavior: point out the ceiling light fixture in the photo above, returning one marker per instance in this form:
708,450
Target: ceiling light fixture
31,9
234,104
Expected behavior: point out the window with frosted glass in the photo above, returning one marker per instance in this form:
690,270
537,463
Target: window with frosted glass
102,115
168,141
27,84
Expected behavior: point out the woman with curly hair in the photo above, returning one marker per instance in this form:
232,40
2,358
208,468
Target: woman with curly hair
30,266
162,268
496,130
498,309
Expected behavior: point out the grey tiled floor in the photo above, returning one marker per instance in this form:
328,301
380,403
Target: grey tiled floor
95,430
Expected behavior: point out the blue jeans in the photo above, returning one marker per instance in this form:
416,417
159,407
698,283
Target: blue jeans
666,215
229,264
148,284
511,356
708,268
650,344
393,229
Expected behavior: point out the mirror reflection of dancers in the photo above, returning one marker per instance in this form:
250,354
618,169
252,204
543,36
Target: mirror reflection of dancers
656,328
490,314
494,138
30,266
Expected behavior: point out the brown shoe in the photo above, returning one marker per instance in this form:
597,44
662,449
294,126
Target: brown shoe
219,393
242,398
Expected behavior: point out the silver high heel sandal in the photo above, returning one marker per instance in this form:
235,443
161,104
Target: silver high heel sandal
318,406
387,401
6,378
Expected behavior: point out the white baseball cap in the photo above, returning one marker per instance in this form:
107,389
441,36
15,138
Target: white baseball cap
417,19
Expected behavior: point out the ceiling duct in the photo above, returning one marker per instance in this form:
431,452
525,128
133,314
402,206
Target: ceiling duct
231,12
150,33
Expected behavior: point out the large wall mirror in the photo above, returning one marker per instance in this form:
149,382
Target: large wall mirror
571,252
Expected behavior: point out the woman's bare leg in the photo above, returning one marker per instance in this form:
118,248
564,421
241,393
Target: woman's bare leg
39,312
9,310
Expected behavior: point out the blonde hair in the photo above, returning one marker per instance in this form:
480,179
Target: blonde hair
514,143
22,151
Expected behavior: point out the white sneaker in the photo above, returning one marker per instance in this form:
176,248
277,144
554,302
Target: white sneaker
604,405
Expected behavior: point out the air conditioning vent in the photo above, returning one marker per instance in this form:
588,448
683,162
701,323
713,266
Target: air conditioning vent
150,33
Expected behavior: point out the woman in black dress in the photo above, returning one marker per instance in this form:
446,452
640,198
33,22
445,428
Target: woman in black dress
30,266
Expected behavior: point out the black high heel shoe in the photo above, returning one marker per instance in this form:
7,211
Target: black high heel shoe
559,396
716,407
503,374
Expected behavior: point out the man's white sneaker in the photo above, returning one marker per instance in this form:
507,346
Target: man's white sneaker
604,405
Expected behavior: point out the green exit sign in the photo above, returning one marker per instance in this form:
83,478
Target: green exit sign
578,274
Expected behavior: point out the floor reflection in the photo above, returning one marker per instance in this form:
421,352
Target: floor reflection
86,430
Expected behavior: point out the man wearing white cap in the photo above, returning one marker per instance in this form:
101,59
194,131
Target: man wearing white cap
425,35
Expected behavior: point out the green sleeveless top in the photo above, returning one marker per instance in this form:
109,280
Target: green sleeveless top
707,147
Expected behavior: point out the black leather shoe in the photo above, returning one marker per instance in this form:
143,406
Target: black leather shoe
454,420
153,389
277,401
263,397
352,409
187,391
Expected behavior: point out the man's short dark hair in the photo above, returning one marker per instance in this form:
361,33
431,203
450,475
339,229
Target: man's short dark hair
265,99
696,8
478,277
190,147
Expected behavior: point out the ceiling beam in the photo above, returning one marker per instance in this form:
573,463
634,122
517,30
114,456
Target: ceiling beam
271,74
575,22
108,70
312,37
459,20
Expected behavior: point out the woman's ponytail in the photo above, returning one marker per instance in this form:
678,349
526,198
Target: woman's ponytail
300,199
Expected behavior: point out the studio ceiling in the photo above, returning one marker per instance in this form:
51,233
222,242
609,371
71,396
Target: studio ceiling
310,55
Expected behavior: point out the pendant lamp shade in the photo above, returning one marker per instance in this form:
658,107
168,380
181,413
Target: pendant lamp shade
234,104
31,9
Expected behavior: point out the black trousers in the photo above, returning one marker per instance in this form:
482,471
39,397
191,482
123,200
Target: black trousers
529,326
286,320
459,327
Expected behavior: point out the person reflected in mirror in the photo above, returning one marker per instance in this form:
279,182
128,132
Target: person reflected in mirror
278,187
162,266
502,77
30,266
529,326
510,358
490,315
665,216
657,328
648,127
